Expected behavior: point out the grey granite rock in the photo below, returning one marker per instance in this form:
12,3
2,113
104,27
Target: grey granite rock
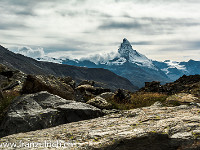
43,110
100,102
147,128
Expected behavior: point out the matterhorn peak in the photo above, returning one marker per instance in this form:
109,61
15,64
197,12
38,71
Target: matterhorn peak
125,41
125,49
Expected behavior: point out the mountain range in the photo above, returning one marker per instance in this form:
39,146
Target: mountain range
175,70
134,66
102,77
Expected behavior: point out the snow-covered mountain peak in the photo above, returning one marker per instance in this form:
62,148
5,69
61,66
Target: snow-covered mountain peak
125,50
125,41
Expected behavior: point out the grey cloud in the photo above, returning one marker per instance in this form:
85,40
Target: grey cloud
121,25
137,43
67,45
160,1
61,47
18,8
87,12
182,45
13,25
19,3
25,12
195,44
142,43
28,51
150,25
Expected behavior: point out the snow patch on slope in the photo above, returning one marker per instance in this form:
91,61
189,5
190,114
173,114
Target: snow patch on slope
119,61
174,64
49,59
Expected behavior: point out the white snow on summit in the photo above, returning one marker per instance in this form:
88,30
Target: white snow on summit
133,56
125,54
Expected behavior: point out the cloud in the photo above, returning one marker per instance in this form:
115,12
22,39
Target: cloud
34,53
120,25
103,58
84,27
14,25
149,25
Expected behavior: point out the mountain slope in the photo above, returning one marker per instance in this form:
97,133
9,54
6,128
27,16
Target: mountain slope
128,63
31,66
175,70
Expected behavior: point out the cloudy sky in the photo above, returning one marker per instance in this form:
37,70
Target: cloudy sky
160,29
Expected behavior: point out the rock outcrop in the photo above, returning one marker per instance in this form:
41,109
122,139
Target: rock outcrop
11,79
186,84
152,86
68,80
100,102
51,84
107,95
86,92
122,95
43,110
152,128
87,82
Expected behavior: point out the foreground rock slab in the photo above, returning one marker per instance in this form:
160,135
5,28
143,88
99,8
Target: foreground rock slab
148,128
43,110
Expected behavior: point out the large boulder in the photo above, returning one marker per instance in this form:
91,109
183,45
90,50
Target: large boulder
153,86
68,80
107,95
100,102
86,92
43,110
51,84
122,95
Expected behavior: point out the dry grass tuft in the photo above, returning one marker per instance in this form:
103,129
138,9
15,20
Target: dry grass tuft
138,100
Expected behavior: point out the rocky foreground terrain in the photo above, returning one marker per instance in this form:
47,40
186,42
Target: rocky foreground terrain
148,128
50,112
